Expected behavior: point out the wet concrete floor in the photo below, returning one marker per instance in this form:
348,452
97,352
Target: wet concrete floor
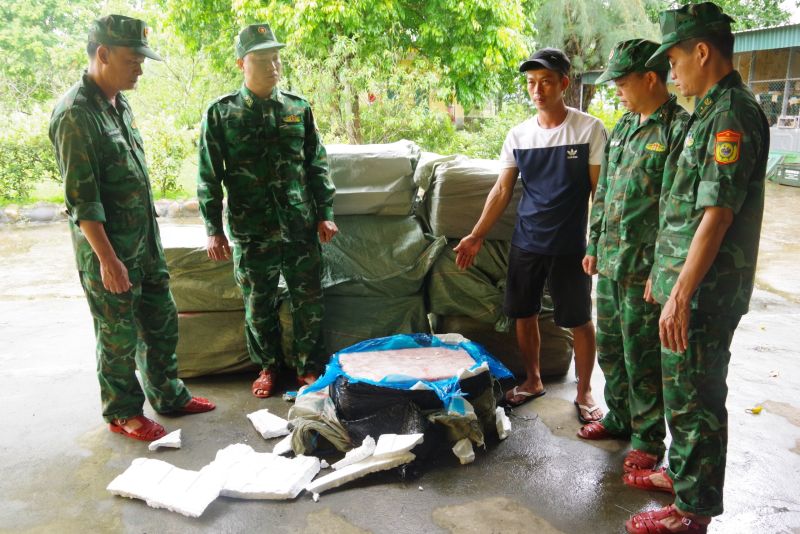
56,456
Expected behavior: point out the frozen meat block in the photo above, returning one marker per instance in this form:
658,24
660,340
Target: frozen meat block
426,363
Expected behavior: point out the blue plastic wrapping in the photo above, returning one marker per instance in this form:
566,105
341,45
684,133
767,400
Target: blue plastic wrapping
448,390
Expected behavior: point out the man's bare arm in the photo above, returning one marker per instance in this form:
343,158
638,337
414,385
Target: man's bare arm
496,203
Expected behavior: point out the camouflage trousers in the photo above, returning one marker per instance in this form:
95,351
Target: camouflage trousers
258,267
144,316
695,391
629,353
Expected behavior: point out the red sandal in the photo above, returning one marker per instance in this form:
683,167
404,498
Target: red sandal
594,430
148,431
640,479
638,460
197,405
650,522
264,383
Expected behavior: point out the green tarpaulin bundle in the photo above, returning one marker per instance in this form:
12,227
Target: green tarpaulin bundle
211,343
378,256
373,179
470,302
349,320
453,192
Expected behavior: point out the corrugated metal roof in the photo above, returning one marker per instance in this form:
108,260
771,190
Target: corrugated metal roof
784,36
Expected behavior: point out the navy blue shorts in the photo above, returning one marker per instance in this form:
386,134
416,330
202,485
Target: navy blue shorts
569,287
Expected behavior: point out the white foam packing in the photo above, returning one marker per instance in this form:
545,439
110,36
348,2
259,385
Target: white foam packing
357,470
162,485
254,475
172,440
268,424
393,444
356,455
464,451
502,422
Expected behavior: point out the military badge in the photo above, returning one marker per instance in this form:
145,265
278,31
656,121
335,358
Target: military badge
249,101
292,119
689,142
656,147
145,32
262,29
726,148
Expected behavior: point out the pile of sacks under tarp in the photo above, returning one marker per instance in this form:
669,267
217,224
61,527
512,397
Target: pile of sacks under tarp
391,268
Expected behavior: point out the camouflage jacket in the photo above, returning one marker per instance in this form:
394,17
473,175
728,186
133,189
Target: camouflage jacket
624,219
268,154
101,158
723,163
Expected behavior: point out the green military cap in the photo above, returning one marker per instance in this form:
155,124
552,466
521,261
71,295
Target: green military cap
688,22
256,37
631,56
119,30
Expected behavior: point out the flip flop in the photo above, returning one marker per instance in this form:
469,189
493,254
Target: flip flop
588,409
527,396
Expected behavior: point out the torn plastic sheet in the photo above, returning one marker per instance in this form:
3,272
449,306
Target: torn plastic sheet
448,390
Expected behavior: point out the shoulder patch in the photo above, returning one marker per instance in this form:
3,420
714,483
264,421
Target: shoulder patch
656,147
727,146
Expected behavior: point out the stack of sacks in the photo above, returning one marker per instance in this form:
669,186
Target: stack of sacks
470,302
453,191
210,306
373,179
373,278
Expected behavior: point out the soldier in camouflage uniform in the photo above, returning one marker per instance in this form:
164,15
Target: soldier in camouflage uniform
624,224
706,253
261,143
115,235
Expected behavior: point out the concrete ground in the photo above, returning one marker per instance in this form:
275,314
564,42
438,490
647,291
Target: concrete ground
58,457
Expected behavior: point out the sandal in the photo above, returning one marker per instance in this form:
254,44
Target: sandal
589,411
265,383
650,522
641,480
594,430
197,405
526,396
148,431
636,460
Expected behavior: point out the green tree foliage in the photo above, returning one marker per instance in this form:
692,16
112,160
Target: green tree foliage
26,156
40,41
587,31
468,44
749,14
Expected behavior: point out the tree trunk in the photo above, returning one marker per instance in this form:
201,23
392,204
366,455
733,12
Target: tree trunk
355,127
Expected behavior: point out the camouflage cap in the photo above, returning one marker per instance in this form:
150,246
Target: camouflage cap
688,22
631,56
256,37
119,30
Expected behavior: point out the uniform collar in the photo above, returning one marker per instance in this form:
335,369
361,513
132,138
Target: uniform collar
731,79
662,113
250,98
94,92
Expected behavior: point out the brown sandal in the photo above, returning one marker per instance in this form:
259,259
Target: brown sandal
636,460
264,383
641,480
148,431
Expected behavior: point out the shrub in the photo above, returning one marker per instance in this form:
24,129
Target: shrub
166,148
26,155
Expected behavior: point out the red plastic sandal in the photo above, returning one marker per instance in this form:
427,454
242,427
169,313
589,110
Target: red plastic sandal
197,405
264,384
594,430
640,479
636,460
148,431
650,522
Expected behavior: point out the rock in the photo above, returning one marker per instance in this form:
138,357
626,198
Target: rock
40,212
162,207
174,210
191,208
12,213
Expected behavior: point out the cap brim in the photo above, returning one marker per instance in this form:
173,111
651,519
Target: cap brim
265,46
609,75
658,55
148,52
533,64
